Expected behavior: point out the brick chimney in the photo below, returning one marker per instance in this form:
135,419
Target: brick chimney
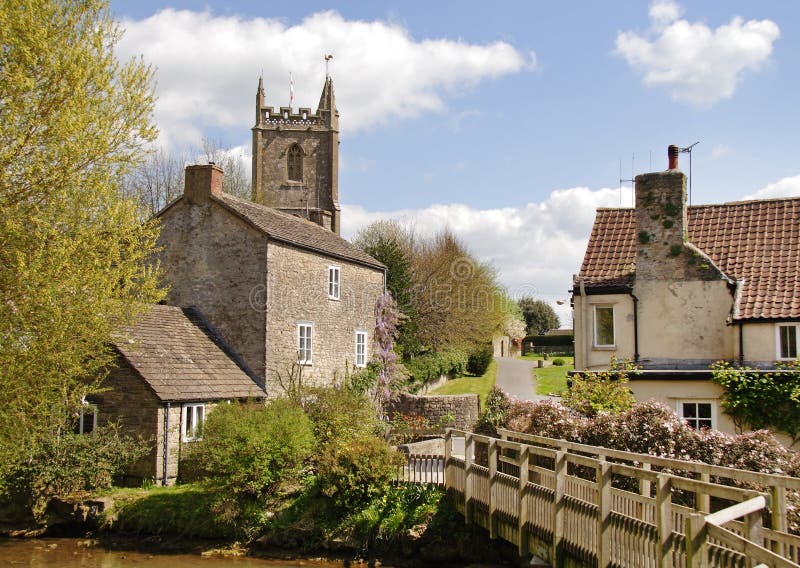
202,181
660,221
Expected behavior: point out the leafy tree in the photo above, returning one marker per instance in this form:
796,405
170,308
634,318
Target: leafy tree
540,317
74,258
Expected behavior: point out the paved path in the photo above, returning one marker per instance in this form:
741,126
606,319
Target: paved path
515,377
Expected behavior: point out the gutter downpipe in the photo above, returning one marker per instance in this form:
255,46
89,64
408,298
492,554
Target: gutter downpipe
166,444
635,327
741,343
585,320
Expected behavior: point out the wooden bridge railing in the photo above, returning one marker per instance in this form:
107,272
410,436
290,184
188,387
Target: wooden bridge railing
605,507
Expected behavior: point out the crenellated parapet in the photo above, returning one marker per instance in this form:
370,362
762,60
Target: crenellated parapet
286,116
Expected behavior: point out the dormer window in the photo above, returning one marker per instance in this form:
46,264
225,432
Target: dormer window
294,163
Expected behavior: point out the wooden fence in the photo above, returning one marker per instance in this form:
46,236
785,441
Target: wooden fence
582,505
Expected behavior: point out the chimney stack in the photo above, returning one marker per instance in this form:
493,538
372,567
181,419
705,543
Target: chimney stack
673,152
202,181
660,220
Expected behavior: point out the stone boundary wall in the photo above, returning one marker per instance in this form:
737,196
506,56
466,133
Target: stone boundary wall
464,407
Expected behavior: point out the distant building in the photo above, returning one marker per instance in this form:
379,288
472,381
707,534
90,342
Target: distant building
675,288
296,159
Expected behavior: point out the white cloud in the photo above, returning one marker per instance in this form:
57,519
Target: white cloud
207,68
785,187
719,151
694,63
664,12
535,248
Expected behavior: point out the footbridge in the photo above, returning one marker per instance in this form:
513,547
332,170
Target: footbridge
577,505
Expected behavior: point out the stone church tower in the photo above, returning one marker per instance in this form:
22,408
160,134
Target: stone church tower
296,159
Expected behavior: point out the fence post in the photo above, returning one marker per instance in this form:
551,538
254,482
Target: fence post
522,493
492,487
603,481
778,515
702,501
696,541
664,521
448,451
468,453
753,530
558,506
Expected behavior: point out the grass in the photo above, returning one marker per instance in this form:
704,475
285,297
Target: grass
553,379
471,385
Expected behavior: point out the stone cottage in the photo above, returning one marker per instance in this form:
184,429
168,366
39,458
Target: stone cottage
172,368
675,288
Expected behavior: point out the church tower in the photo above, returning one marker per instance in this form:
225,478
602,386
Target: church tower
296,159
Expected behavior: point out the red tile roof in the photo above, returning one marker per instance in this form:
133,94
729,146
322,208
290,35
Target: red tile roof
754,241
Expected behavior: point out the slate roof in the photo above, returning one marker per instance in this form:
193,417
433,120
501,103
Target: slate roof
182,359
757,242
295,230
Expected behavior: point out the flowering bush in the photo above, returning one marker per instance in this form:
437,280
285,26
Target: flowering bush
653,428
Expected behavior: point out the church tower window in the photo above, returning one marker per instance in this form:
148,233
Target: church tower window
294,163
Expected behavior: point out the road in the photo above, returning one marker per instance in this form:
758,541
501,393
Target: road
515,377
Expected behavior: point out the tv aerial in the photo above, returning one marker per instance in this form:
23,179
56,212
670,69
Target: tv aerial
688,150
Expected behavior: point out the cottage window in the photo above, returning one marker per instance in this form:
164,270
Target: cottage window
334,273
361,349
787,341
294,163
697,414
87,419
192,420
604,326
304,343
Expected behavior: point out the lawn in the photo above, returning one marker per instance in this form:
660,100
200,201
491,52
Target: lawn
471,385
552,379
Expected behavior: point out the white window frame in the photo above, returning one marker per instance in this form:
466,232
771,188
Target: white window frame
197,412
698,401
334,281
305,343
82,413
778,354
595,339
361,348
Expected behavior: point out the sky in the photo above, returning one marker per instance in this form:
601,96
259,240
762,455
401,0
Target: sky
508,123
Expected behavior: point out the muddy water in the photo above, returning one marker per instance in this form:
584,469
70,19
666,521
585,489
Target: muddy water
76,553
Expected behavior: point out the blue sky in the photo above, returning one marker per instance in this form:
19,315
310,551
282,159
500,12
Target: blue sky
506,122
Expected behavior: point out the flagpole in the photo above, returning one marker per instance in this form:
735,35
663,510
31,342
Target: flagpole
291,91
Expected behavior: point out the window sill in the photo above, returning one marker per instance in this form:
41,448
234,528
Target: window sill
604,347
335,299
305,364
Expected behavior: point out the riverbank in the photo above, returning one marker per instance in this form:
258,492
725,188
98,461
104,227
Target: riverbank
410,525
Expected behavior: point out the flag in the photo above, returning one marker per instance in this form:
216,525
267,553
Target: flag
291,90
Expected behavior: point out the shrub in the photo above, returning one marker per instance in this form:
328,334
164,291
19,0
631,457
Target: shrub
68,465
479,360
424,369
340,414
601,391
544,418
247,449
494,414
558,362
355,471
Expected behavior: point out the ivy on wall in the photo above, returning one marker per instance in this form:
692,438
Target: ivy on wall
760,399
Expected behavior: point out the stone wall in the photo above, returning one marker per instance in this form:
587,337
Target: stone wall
213,260
465,408
298,292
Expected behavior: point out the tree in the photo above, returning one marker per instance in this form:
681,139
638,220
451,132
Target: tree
540,317
74,258
387,242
